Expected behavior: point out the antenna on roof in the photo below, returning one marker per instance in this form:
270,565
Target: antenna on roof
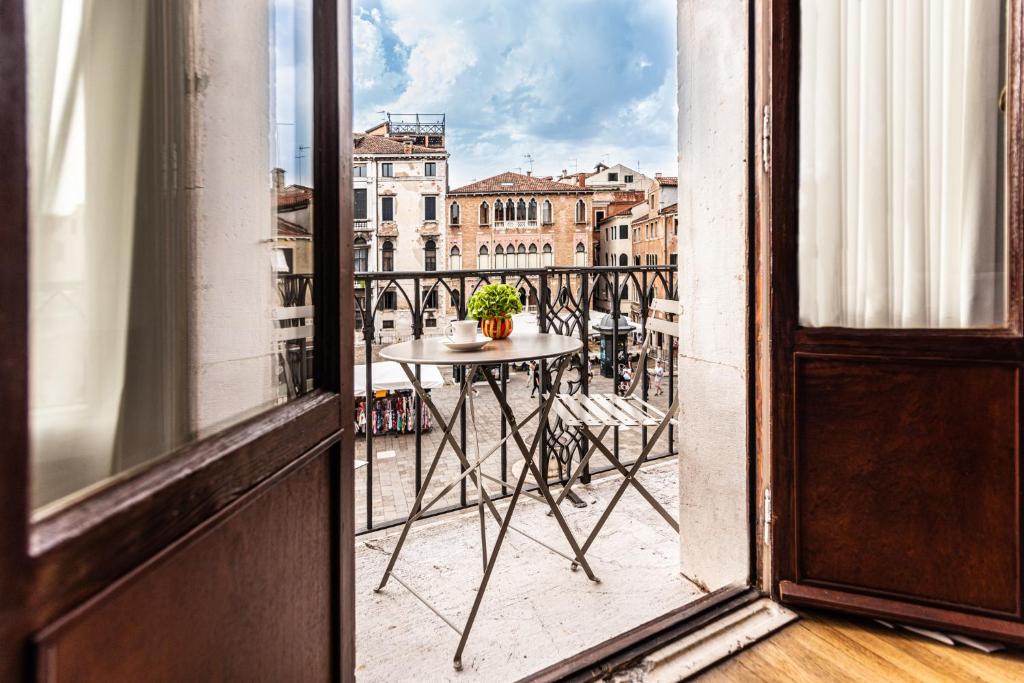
299,156
529,160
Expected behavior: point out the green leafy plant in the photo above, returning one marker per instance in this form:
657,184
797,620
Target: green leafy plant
494,301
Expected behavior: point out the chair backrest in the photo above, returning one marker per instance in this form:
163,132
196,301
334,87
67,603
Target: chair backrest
671,328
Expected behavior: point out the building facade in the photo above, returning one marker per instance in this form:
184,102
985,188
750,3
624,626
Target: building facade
400,190
655,236
616,189
514,221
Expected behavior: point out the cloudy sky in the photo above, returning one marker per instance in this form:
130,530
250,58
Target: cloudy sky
569,82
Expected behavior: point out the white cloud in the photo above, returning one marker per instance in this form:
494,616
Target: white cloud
566,80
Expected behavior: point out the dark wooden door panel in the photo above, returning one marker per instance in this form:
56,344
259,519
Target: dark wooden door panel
246,599
907,479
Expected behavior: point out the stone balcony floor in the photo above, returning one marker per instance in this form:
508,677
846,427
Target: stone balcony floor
536,611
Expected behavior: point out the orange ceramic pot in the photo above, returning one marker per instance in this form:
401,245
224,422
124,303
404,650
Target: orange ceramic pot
496,328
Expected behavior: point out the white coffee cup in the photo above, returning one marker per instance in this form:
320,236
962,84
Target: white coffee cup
461,331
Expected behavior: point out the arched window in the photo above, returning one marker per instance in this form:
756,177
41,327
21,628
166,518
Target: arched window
430,255
387,256
499,254
455,213
483,259
485,214
581,255
455,258
546,213
521,256
549,255
534,259
499,212
636,260
531,211
510,210
581,211
520,210
623,260
362,255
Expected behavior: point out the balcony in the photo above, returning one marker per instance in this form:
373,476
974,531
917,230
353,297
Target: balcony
429,229
362,225
395,447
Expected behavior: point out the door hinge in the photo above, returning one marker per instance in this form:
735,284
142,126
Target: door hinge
766,139
767,516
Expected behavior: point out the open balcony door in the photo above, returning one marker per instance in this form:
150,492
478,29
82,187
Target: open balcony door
231,558
895,391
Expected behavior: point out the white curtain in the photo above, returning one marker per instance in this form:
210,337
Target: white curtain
86,60
899,213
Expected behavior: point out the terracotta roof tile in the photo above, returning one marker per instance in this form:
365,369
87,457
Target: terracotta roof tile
378,144
667,180
516,183
293,197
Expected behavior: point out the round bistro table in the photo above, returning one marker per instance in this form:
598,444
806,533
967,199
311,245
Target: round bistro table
514,349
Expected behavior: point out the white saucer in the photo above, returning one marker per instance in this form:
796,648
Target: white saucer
467,346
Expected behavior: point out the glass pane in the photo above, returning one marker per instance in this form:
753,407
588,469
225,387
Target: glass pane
171,226
901,164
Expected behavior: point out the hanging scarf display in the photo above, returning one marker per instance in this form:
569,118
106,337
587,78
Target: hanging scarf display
395,413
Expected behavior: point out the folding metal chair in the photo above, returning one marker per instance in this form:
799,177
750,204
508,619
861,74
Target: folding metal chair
608,411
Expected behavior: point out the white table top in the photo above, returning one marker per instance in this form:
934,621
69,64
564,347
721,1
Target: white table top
514,349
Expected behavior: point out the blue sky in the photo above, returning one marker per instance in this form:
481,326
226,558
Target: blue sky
569,82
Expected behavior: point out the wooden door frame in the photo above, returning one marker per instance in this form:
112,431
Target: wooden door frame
51,565
776,71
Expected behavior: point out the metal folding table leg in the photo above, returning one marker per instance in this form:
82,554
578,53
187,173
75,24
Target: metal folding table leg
416,512
528,456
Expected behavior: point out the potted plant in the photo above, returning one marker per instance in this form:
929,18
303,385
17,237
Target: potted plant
494,305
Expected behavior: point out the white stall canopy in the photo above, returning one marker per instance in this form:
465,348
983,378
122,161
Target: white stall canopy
388,376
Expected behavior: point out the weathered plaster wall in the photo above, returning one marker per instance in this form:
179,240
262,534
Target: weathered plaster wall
713,101
234,288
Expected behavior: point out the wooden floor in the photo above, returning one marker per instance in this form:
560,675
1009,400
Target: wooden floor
821,647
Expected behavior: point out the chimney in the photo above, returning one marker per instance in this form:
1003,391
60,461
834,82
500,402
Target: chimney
529,173
565,172
407,147
277,175
581,179
657,175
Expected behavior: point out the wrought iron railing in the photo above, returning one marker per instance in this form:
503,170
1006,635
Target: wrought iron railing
566,301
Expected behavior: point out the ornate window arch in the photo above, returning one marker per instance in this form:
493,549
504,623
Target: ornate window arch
387,256
531,211
548,258
546,214
485,214
455,214
581,211
499,256
521,256
430,255
534,257
455,258
499,212
510,210
623,260
362,255
581,254
483,258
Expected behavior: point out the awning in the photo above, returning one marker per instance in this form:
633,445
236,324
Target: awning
388,376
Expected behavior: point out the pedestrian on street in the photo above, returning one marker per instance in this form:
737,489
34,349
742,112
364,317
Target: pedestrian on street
534,377
659,374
